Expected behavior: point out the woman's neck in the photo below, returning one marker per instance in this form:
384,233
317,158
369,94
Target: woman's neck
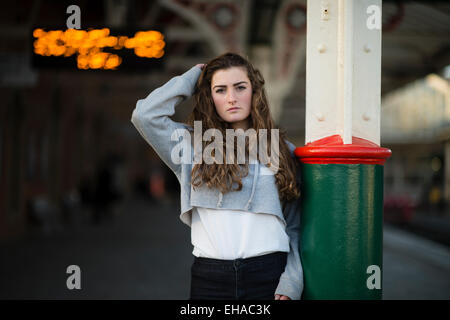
243,124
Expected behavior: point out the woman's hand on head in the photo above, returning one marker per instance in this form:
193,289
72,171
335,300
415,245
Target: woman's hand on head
281,297
201,65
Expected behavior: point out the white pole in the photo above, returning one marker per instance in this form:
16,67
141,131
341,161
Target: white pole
343,70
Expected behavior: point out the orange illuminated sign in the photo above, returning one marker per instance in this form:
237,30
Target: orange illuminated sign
89,45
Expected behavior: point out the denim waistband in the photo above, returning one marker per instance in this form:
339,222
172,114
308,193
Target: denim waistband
262,258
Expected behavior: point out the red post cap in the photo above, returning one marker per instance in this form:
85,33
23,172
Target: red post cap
333,150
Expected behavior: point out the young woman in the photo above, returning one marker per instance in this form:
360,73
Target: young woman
244,217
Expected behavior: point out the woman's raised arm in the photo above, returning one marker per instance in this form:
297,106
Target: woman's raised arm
151,115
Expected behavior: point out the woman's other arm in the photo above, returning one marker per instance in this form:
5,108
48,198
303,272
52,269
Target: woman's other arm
291,280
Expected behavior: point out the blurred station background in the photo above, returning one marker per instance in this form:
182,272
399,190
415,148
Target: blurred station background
78,184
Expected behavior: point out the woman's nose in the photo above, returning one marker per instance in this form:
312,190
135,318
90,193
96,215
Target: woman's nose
231,96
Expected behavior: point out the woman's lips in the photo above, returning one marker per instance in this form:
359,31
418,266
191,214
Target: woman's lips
233,109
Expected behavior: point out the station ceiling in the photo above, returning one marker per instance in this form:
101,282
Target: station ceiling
415,39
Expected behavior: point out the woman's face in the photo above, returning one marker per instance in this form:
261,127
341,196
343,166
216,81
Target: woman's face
232,94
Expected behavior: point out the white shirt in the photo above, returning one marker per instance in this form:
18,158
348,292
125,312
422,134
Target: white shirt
233,234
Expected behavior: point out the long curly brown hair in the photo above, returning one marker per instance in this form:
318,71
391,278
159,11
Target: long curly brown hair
225,176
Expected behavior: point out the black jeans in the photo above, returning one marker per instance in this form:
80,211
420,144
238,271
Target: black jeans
254,278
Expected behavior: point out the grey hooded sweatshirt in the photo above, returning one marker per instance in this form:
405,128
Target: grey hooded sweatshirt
259,193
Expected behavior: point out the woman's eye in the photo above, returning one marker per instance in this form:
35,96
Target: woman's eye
241,88
219,90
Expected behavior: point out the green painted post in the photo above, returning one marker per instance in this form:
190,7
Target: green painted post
341,243
341,230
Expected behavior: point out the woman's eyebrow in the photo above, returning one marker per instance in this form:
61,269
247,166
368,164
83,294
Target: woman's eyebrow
237,83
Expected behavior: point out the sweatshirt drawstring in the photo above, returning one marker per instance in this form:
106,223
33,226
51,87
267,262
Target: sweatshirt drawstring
255,177
219,203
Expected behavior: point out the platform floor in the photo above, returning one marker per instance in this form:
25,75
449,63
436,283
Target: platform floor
145,253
